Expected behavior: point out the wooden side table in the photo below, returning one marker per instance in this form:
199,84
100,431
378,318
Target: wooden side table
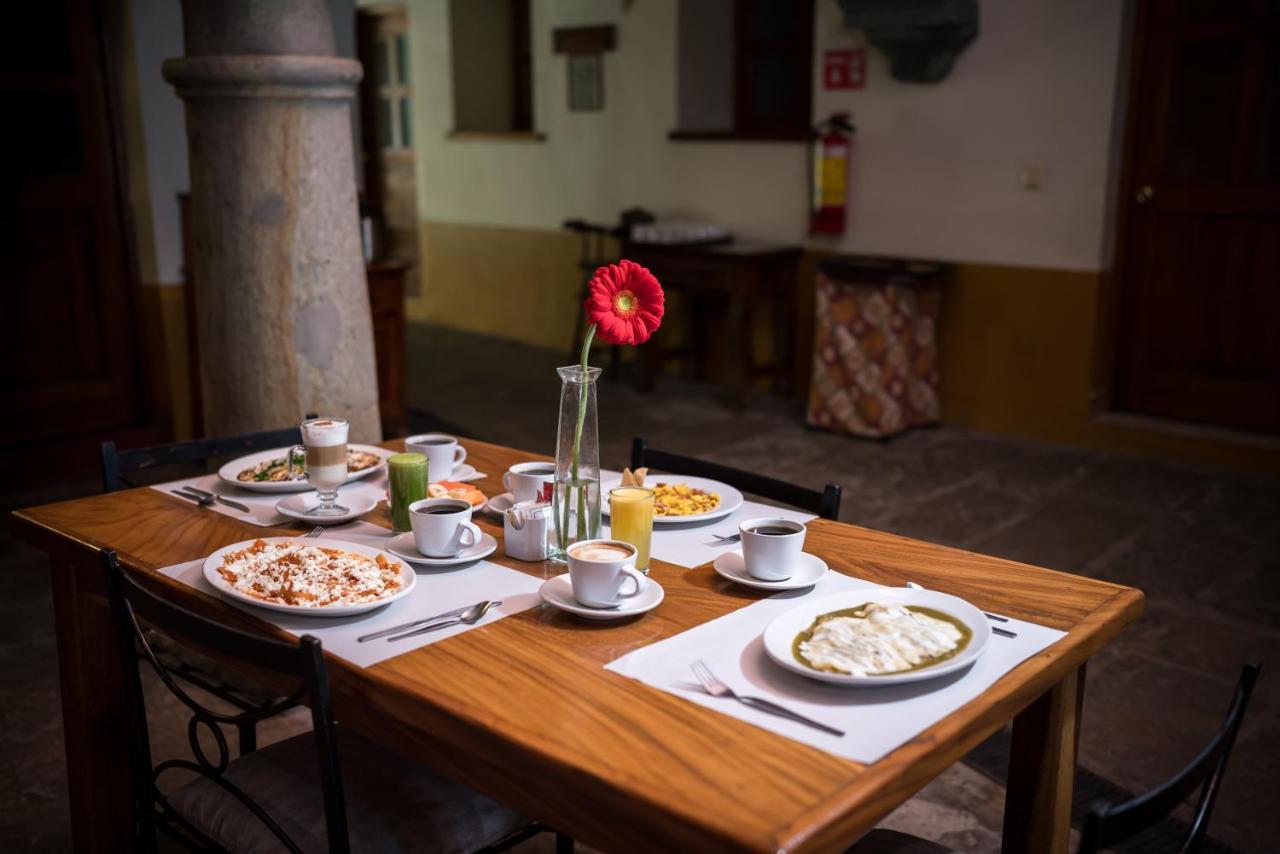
744,274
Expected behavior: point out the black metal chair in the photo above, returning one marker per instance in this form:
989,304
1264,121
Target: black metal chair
181,661
825,503
116,463
1108,824
387,801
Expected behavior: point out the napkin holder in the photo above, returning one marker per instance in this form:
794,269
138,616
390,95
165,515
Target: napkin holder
527,527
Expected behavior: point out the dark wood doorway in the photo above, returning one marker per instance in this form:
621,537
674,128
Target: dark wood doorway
69,356
1198,294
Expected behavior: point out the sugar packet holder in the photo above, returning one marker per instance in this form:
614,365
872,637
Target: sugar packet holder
526,527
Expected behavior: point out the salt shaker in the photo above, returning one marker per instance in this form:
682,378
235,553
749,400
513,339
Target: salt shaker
527,526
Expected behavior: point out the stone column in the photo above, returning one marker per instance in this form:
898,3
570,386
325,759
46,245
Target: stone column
284,323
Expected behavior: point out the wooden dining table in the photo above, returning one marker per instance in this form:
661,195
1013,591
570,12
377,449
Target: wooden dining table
524,710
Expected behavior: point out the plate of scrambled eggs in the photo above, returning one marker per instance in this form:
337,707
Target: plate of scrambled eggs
679,499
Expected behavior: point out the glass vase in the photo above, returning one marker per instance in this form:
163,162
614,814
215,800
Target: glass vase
575,502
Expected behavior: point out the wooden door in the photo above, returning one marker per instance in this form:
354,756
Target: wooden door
1199,262
67,357
386,117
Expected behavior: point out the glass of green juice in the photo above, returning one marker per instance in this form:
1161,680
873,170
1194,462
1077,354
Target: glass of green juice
407,481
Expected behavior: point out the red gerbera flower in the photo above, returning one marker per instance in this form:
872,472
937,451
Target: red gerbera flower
624,300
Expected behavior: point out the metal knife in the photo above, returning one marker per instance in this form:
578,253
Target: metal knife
406,626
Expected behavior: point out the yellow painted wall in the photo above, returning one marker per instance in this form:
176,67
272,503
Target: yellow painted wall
1018,356
515,283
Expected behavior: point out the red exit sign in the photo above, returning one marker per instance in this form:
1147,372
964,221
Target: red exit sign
844,69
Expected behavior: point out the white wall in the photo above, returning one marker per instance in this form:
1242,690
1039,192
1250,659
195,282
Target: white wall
936,167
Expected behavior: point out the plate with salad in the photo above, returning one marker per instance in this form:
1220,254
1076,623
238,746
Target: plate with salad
266,471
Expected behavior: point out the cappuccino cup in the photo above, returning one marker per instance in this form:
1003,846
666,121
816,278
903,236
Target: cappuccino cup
530,481
600,570
442,527
771,547
442,451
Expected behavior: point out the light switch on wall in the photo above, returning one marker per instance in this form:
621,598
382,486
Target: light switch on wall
1032,175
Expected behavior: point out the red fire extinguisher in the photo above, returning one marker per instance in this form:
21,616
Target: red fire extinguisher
829,162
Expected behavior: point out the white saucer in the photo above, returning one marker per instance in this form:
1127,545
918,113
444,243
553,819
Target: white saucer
809,572
558,591
402,547
498,504
296,506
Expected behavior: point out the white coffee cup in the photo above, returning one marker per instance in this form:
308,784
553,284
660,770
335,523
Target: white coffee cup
442,451
772,556
442,527
600,569
527,481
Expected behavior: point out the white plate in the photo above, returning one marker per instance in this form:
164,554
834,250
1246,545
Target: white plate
809,572
402,547
295,507
730,498
229,471
558,592
781,633
213,561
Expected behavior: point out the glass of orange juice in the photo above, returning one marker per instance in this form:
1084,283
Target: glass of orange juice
631,520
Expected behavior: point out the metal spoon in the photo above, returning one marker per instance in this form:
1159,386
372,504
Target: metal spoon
470,616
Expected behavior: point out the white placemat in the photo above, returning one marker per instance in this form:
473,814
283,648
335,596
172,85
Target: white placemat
436,591
262,505
875,720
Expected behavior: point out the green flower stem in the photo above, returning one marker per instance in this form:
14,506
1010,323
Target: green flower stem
576,454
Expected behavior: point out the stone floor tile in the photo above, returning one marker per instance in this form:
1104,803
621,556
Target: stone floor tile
1250,593
1246,809
958,517
1067,532
1144,720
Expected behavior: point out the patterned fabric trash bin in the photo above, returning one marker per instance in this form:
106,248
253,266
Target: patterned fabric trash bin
875,354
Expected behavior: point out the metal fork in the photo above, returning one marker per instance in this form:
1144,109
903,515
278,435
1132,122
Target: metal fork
314,532
713,686
733,538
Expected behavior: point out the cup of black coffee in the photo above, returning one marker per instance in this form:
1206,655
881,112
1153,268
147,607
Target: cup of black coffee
442,527
771,547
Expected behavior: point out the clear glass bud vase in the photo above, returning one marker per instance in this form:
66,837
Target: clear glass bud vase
575,501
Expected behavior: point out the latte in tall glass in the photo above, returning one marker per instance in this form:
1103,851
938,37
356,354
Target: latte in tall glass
324,445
